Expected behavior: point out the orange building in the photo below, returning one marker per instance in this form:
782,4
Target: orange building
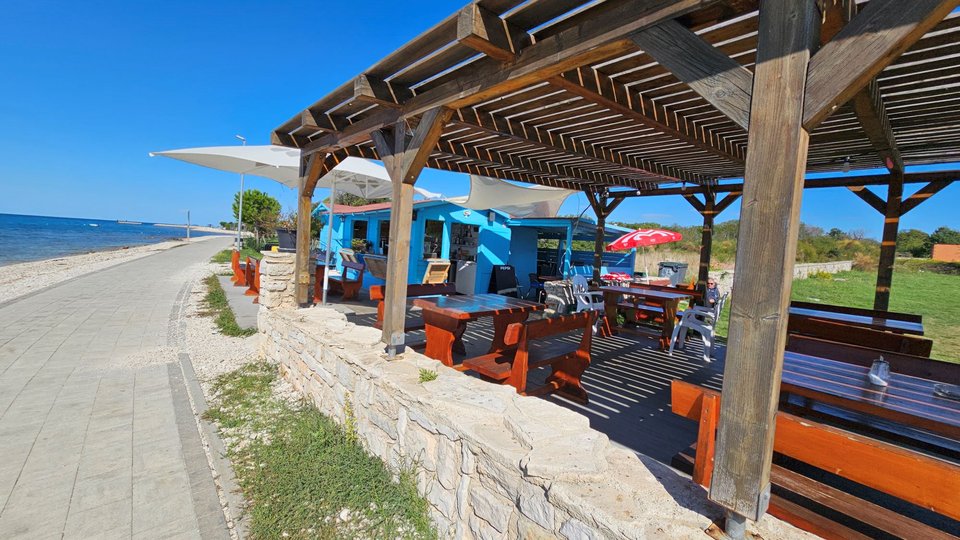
946,252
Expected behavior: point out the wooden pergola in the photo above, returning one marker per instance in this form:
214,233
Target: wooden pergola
626,98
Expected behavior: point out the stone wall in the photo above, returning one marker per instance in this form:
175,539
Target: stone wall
491,463
803,270
277,278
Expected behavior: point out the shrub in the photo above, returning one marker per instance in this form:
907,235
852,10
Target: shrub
864,262
820,274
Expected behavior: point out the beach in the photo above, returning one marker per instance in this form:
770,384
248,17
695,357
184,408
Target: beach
20,279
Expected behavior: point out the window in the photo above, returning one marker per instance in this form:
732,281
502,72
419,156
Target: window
432,239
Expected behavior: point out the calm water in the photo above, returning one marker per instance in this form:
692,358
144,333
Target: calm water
31,238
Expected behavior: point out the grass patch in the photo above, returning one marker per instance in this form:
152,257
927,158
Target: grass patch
302,473
427,375
934,295
226,255
223,316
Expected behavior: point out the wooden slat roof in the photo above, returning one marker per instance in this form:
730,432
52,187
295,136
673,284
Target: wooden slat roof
610,115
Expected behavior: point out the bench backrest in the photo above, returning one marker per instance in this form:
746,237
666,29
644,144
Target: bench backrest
858,335
436,272
892,315
916,478
906,364
376,265
356,267
522,334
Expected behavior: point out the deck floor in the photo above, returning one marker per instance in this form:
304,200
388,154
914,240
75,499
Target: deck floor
628,382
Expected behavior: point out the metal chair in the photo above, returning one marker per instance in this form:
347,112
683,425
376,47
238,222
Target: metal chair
536,287
704,321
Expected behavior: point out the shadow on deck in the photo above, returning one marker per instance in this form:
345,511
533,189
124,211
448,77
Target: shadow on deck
628,382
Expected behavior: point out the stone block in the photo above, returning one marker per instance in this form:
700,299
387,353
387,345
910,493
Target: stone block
494,509
482,530
573,529
463,497
529,530
448,463
443,499
534,505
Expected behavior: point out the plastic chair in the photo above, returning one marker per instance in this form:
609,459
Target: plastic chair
704,321
587,300
536,287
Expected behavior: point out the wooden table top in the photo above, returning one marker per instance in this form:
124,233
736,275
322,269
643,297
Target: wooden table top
472,306
907,399
649,293
877,323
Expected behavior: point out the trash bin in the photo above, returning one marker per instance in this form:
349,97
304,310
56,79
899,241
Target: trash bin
676,271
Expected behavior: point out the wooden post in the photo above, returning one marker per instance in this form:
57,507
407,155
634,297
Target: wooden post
769,225
404,157
309,175
888,244
706,240
603,205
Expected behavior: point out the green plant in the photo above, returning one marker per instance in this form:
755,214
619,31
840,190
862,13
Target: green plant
300,471
427,375
821,275
226,255
223,317
260,212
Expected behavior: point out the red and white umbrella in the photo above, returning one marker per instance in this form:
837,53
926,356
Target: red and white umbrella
643,238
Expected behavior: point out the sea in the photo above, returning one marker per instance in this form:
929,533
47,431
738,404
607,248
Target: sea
32,238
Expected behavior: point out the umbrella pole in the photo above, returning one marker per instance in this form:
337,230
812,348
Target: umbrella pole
240,217
326,262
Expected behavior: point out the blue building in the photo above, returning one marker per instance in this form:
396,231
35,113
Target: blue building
474,241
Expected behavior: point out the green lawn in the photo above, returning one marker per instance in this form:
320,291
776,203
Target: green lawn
226,321
224,256
935,296
304,475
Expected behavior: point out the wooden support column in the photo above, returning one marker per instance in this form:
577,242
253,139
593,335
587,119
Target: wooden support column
404,157
709,208
888,244
602,206
311,169
769,225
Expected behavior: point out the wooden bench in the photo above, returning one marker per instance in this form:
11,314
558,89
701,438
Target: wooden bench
378,293
342,284
253,279
239,270
648,312
858,335
913,477
907,364
894,315
529,349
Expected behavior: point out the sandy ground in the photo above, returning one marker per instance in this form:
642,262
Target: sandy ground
19,279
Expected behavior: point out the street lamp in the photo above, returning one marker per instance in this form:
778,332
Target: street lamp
240,210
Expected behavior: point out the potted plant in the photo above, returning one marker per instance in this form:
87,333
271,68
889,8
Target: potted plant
287,232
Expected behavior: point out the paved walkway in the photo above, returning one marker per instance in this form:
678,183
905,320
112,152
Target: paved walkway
244,310
89,446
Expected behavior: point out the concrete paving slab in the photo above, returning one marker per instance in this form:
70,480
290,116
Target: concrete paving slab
91,446
243,307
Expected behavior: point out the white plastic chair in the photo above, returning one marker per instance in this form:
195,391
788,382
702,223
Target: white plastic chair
587,300
704,321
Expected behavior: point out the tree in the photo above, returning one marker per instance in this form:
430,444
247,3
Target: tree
836,234
260,212
915,242
945,235
349,199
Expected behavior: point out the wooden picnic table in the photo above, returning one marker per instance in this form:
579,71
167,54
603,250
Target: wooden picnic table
907,400
446,320
875,323
666,301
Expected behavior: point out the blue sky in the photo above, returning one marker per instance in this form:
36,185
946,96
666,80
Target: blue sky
89,88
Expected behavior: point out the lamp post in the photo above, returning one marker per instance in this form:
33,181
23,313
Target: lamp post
240,209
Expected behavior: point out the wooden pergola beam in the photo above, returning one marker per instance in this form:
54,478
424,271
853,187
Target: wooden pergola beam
870,42
507,129
602,206
716,77
870,198
888,243
312,168
604,35
485,32
922,195
600,89
856,181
